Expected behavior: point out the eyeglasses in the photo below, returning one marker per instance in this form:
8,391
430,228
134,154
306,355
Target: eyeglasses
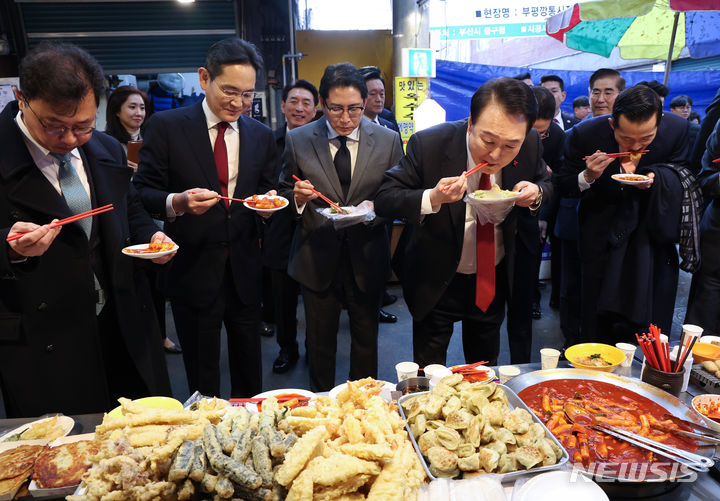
352,111
58,130
231,93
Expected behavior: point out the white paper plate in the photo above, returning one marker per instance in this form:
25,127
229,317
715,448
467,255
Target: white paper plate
359,211
56,492
385,391
65,422
623,178
280,391
275,197
494,200
148,255
555,485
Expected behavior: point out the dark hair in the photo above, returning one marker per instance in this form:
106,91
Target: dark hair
300,84
661,89
694,115
113,126
342,75
608,73
545,101
553,78
681,100
523,76
61,74
637,104
581,101
231,51
513,96
371,73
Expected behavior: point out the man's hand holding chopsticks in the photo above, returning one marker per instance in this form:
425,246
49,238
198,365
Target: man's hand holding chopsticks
194,201
34,242
595,165
303,191
448,190
162,238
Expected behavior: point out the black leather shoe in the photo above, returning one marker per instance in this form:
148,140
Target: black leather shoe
266,330
389,299
536,312
173,350
387,318
284,362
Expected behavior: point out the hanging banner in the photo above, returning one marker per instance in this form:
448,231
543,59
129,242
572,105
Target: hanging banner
409,93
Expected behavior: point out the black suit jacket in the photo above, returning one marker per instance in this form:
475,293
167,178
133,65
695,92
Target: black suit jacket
49,338
568,120
712,115
709,180
279,229
317,246
429,252
176,156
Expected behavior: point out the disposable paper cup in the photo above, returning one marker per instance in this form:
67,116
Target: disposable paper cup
507,372
439,375
629,350
692,330
431,369
549,358
406,370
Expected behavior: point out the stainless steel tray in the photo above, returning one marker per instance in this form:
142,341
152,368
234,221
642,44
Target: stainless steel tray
672,404
514,402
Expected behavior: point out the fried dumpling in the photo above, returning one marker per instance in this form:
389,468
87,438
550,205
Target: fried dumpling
448,438
488,459
505,435
528,456
418,425
442,459
507,463
426,441
465,450
434,424
443,390
452,380
485,390
433,406
498,396
543,445
497,446
517,421
453,403
488,433
475,402
459,419
473,432
469,463
443,474
493,414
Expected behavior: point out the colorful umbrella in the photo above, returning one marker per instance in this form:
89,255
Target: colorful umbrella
642,29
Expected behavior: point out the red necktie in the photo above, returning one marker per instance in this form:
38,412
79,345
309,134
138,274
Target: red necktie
221,159
556,121
485,255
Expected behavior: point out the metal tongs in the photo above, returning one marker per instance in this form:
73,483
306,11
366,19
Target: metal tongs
689,459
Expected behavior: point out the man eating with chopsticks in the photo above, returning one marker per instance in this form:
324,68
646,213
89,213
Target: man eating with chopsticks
77,329
627,232
451,267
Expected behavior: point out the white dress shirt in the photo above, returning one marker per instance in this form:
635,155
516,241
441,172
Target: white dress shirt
49,165
232,143
468,257
559,120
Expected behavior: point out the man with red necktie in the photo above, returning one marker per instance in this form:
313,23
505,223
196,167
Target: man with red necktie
451,267
190,157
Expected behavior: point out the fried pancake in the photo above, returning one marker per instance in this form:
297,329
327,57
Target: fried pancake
15,461
63,465
11,485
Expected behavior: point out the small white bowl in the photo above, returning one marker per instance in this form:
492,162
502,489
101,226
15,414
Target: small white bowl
701,399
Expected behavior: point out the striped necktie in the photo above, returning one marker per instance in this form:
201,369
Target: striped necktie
73,191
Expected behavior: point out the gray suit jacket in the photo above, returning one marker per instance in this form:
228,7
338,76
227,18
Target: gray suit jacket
317,247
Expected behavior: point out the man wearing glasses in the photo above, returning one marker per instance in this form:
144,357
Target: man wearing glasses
76,318
343,157
190,158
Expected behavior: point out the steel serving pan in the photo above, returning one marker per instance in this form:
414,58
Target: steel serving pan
672,404
514,402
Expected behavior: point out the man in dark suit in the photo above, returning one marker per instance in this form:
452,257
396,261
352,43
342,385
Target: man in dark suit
376,97
712,115
452,268
77,327
343,157
299,101
555,84
189,157
704,296
627,234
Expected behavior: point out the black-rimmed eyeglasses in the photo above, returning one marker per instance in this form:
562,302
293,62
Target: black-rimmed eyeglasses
59,130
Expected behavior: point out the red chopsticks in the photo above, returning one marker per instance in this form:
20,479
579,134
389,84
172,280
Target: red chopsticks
622,154
71,219
467,173
657,352
716,160
333,204
469,368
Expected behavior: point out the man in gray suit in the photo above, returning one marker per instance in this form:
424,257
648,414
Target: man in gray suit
343,157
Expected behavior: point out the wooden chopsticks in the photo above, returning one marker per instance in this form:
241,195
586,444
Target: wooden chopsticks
467,173
622,154
71,219
332,204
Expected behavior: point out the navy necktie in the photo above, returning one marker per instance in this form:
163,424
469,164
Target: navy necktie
342,165
73,191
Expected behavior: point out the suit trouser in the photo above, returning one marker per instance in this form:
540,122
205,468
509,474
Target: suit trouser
480,330
199,329
322,316
703,301
285,292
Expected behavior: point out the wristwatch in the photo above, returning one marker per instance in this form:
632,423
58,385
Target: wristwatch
538,200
